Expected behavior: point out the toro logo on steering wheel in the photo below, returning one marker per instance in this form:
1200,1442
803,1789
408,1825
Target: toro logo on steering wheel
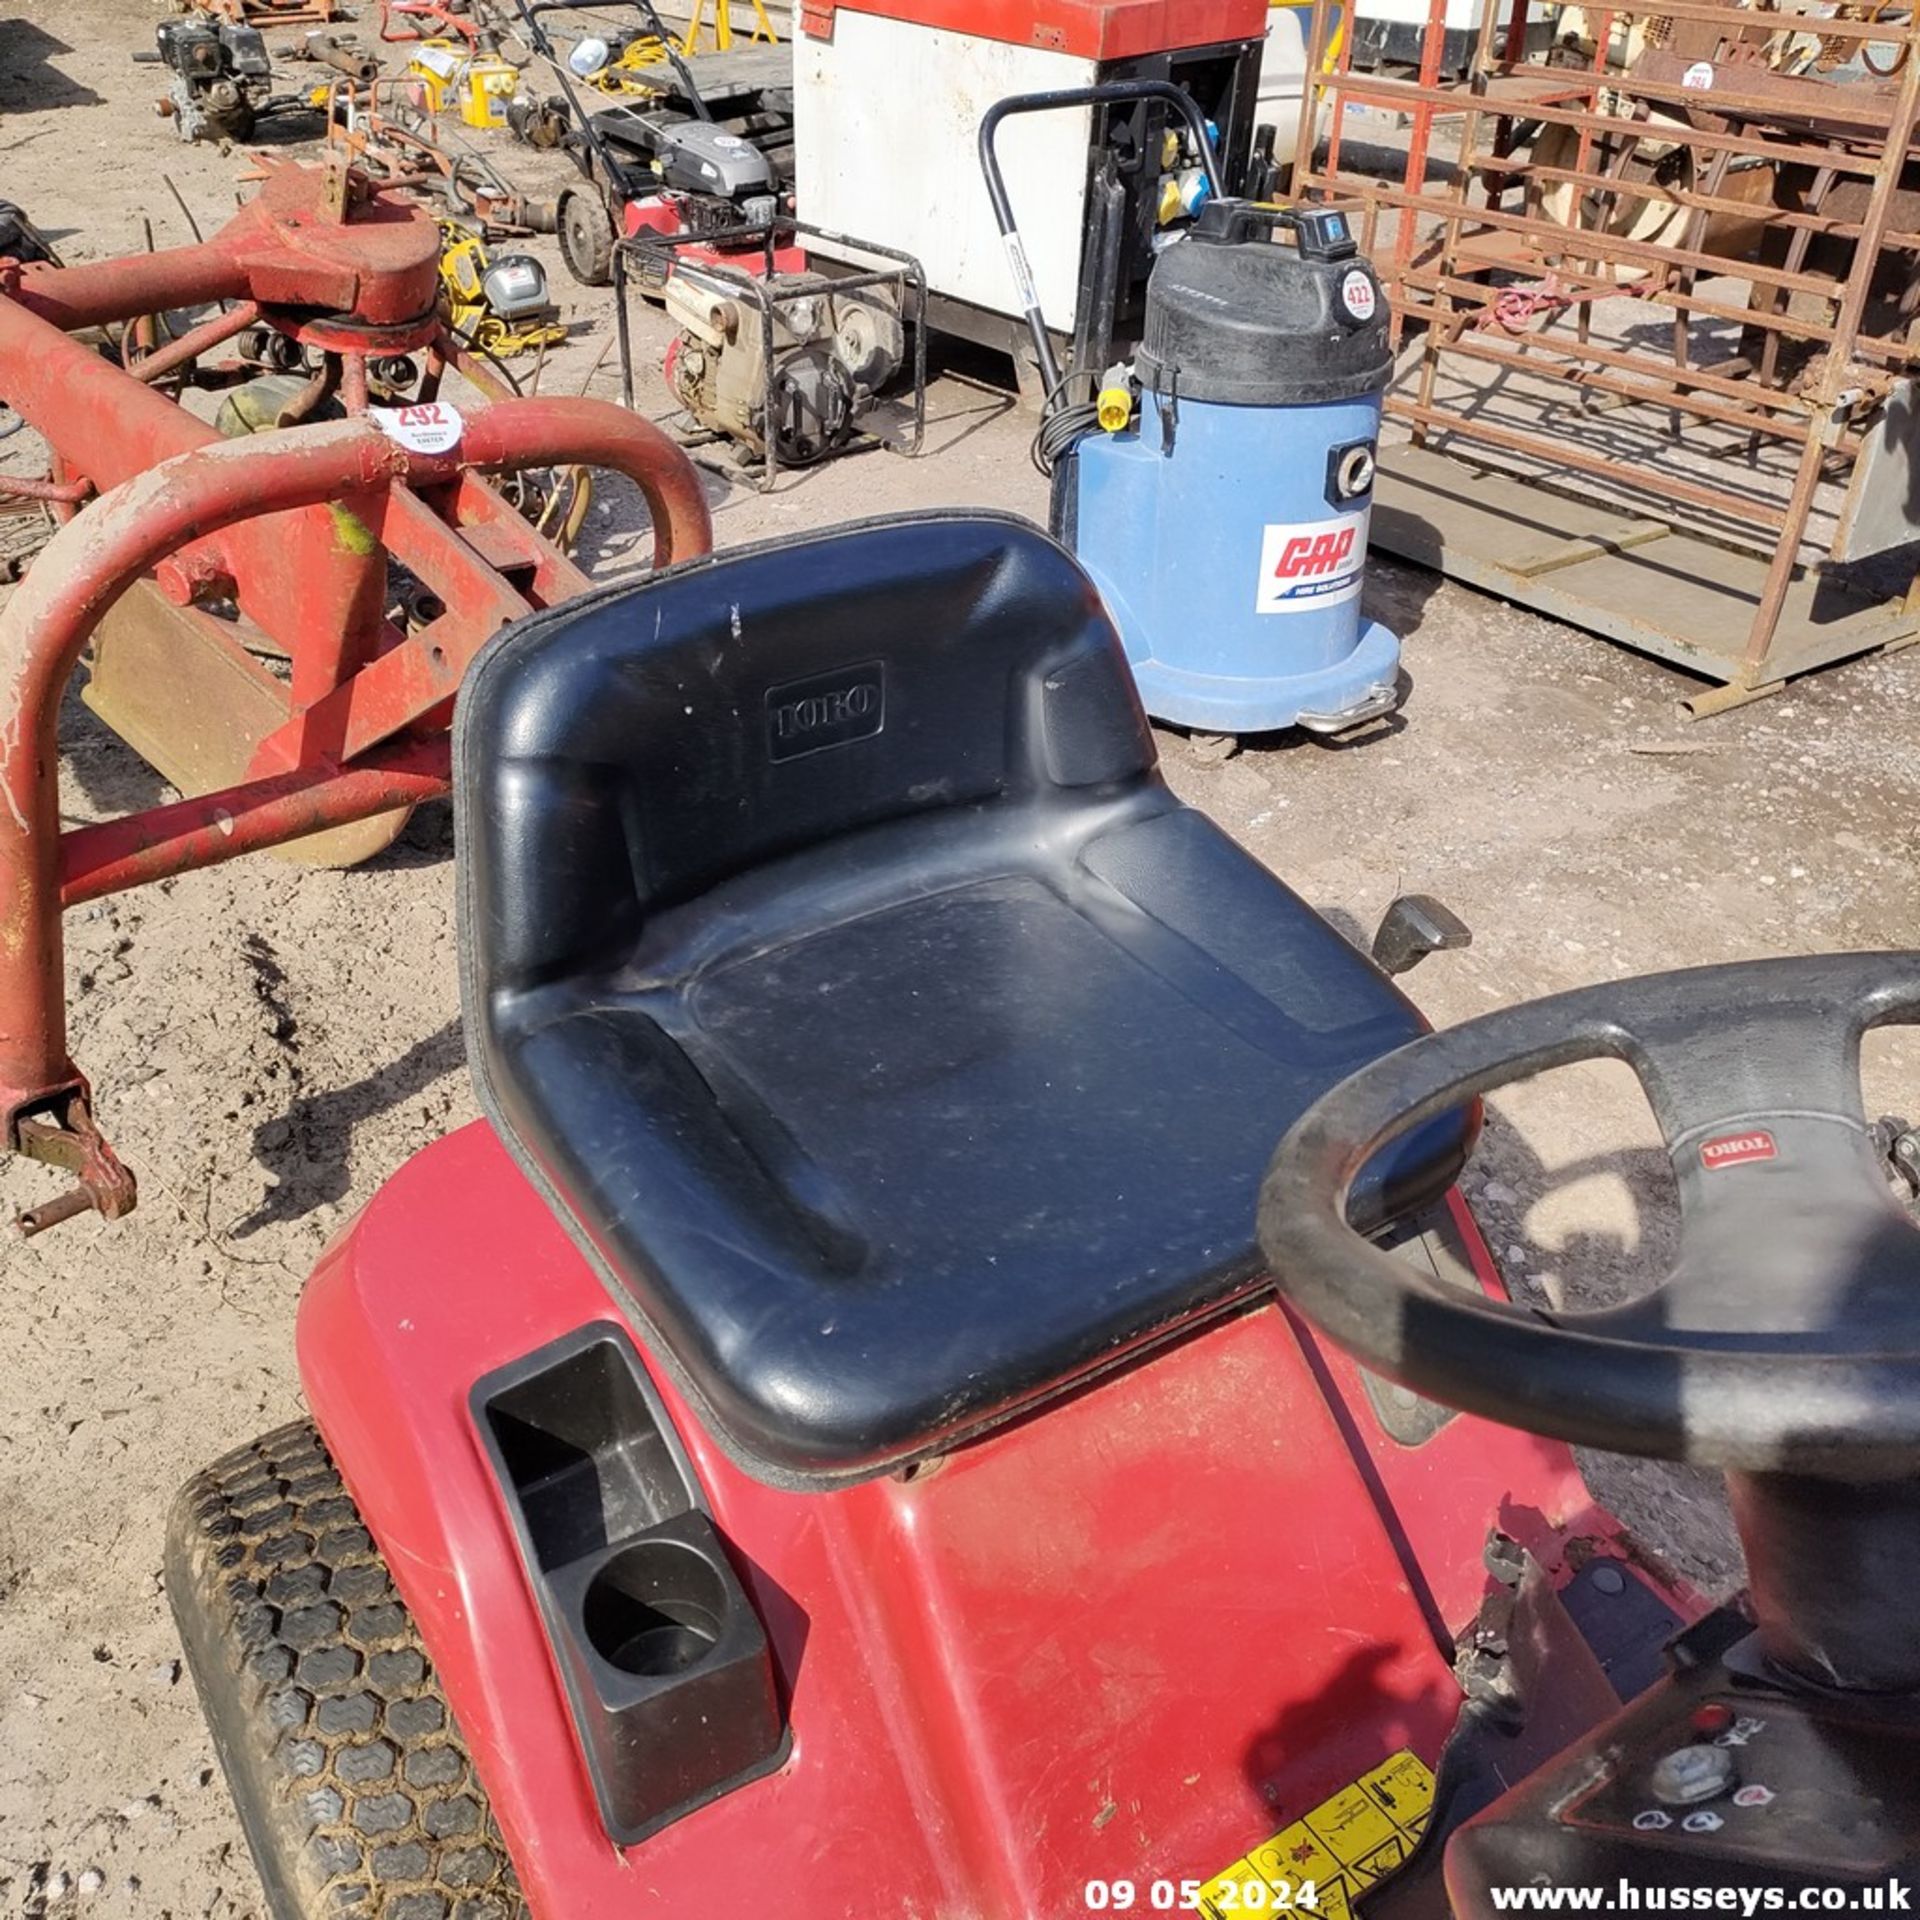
1735,1149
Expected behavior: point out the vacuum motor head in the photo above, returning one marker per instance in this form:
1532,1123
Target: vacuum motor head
1234,317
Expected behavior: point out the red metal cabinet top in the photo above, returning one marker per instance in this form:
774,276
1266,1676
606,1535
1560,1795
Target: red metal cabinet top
1091,29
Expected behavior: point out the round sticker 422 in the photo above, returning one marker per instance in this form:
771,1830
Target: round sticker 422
429,426
1357,294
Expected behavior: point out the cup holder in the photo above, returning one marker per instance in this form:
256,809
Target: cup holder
666,1665
654,1608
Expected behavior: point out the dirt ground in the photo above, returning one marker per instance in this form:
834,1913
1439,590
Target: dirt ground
269,1043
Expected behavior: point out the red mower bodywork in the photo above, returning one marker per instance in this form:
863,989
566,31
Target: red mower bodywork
1129,1638
657,214
823,914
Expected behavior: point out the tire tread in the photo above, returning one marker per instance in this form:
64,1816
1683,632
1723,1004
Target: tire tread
352,1781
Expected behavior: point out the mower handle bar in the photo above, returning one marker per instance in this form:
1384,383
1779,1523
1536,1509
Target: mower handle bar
1111,94
530,11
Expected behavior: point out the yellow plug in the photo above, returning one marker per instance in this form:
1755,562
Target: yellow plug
1114,408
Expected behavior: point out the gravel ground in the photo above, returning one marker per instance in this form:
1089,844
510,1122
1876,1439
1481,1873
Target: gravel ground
270,1043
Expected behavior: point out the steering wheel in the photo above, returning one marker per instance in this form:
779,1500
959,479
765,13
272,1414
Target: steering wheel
1786,1338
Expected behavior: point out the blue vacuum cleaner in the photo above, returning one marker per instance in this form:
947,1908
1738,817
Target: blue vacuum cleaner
1219,490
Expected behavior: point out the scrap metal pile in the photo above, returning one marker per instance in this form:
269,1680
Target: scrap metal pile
1657,258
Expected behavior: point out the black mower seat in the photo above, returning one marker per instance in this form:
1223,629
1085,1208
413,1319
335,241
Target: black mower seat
839,964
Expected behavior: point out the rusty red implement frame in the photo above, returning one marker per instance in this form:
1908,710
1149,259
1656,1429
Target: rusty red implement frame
201,553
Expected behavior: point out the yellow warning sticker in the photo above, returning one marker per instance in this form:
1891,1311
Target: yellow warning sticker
1326,1859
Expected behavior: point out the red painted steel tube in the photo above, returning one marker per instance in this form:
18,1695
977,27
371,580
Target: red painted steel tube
143,847
91,294
190,345
103,550
69,492
70,394
86,565
316,597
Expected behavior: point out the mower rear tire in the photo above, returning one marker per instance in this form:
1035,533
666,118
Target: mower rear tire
586,238
355,1789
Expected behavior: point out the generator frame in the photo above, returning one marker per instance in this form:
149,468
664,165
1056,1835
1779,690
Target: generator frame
659,256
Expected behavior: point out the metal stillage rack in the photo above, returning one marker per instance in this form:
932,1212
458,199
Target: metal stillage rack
1655,274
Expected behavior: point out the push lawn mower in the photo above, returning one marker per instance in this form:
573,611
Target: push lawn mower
696,156
275,622
828,1443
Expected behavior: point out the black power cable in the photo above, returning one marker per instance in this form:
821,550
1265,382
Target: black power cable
1062,424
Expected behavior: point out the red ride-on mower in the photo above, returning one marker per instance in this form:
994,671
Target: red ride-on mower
829,1444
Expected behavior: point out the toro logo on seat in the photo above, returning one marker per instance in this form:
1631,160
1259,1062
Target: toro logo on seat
1736,1149
826,710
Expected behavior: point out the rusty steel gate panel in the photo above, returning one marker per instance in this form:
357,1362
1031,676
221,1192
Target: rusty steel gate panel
1653,275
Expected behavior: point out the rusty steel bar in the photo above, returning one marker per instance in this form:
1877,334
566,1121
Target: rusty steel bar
1702,378
1670,395
1305,137
1383,90
1806,330
1866,256
1452,329
1581,243
115,855
1729,103
1453,196
190,345
1336,122
1671,195
1602,40
1779,16
1627,474
96,556
1420,136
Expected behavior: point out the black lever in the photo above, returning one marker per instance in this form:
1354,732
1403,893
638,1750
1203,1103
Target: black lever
1415,925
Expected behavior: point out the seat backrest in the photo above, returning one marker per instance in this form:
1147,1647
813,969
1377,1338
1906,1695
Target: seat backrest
841,971
629,750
